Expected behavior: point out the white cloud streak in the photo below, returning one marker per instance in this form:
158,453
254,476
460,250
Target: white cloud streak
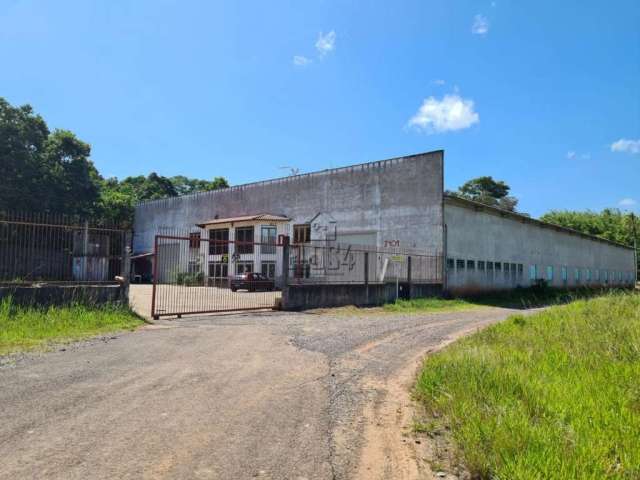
480,25
450,113
326,43
627,202
301,61
626,146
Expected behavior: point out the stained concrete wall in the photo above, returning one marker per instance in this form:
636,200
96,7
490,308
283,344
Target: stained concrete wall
479,233
397,201
302,297
48,295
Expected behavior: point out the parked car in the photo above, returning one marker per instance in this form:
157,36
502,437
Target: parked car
251,281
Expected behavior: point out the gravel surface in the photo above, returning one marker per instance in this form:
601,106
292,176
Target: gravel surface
269,396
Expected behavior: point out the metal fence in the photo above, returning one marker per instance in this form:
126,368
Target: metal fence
193,273
335,263
46,247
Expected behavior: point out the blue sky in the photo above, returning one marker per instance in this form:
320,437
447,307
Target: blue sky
544,95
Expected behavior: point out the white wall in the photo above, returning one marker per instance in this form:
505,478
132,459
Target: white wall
486,235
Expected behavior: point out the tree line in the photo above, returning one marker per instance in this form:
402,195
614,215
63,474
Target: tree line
51,171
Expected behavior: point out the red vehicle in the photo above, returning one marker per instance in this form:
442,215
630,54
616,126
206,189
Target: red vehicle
252,282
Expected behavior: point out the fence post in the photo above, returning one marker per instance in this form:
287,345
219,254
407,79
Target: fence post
285,271
155,278
366,277
409,277
126,266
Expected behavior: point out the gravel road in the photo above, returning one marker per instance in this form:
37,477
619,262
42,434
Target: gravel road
260,395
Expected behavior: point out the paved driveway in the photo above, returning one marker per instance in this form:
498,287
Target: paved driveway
270,396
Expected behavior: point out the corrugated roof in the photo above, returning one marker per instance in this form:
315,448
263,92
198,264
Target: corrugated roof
266,217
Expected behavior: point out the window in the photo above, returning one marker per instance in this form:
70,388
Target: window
268,239
549,273
533,273
244,240
194,240
219,241
619,276
520,270
506,268
490,266
218,269
597,272
564,274
244,267
268,269
513,268
481,265
302,233
606,276
577,275
471,265
450,264
194,266
588,274
460,264
498,266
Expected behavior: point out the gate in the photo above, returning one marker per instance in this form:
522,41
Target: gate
192,275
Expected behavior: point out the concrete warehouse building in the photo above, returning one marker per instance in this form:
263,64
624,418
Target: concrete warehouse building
391,204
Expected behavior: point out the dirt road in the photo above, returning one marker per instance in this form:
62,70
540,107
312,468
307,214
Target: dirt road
269,396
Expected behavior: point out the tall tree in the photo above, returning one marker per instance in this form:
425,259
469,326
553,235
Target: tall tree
491,192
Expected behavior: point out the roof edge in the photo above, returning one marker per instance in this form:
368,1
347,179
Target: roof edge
293,177
471,204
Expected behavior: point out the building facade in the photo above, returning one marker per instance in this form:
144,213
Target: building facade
396,203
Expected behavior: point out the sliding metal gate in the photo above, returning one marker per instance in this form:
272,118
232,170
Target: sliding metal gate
197,275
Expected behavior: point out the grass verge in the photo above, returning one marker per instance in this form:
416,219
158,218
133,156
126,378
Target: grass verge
29,328
433,304
554,395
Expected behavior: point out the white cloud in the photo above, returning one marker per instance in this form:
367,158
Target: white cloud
627,202
571,155
301,61
326,43
438,81
451,113
480,25
625,145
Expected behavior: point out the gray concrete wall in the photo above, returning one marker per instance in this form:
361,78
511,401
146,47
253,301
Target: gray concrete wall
395,202
48,295
483,234
302,297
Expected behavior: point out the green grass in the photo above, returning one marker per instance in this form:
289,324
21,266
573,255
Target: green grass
428,305
29,328
555,395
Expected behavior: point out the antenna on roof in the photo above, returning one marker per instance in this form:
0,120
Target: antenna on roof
292,170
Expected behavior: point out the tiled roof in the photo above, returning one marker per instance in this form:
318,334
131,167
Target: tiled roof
265,217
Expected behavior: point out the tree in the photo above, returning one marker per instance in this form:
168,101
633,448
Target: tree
41,170
185,186
52,172
494,193
611,224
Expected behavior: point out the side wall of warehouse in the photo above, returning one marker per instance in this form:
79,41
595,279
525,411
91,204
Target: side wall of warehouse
396,202
489,249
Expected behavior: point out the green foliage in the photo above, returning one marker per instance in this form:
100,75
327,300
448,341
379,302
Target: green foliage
422,305
28,328
43,170
611,224
494,193
553,395
51,172
190,279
